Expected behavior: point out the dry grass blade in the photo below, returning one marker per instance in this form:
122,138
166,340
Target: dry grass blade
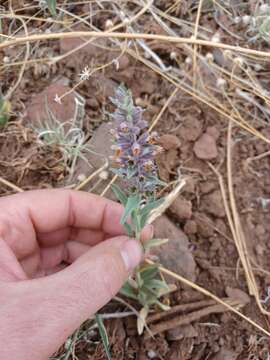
212,296
195,37
239,236
10,185
124,35
168,200
90,177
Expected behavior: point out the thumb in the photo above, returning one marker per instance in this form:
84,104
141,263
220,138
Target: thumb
64,300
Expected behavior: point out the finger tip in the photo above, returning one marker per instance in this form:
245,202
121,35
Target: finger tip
147,233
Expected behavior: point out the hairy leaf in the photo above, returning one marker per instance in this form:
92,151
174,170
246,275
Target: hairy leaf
128,291
104,336
132,204
121,196
148,244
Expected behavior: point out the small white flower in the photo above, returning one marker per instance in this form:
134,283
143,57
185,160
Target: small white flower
264,8
258,67
104,175
173,55
57,99
221,83
81,177
216,37
238,61
116,64
85,74
246,19
209,57
237,20
188,60
227,54
6,59
108,24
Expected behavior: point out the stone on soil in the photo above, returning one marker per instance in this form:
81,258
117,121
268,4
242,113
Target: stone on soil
205,148
37,108
181,208
175,255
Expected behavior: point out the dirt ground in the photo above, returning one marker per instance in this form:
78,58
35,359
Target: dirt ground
194,137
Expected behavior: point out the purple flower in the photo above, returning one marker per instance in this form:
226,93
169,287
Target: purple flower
134,148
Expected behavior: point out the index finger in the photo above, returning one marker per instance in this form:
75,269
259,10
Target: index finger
51,210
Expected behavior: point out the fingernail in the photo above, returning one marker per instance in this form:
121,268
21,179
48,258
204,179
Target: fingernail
131,254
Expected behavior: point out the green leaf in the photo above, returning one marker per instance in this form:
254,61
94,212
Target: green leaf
152,180
158,285
128,291
139,279
145,211
121,196
137,224
129,230
149,272
104,336
151,206
148,244
51,6
132,204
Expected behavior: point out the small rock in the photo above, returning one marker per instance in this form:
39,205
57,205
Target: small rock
190,186
190,227
207,186
237,294
213,204
191,129
181,332
225,354
205,148
181,208
213,131
151,354
37,109
169,142
89,48
105,87
100,142
174,255
123,62
93,103
259,250
205,227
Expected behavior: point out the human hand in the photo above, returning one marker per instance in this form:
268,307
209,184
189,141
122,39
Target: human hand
41,301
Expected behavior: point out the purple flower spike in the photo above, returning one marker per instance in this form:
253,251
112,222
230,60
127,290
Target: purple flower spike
134,148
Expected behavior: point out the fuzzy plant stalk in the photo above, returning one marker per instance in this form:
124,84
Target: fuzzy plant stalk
134,162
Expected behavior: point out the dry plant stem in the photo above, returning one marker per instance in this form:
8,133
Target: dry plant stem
195,37
180,308
155,121
200,98
10,185
90,177
107,188
187,319
26,56
209,294
240,237
123,35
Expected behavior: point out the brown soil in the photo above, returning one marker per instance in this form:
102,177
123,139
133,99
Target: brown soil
192,136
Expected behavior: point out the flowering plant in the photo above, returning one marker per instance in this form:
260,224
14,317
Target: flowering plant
134,158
